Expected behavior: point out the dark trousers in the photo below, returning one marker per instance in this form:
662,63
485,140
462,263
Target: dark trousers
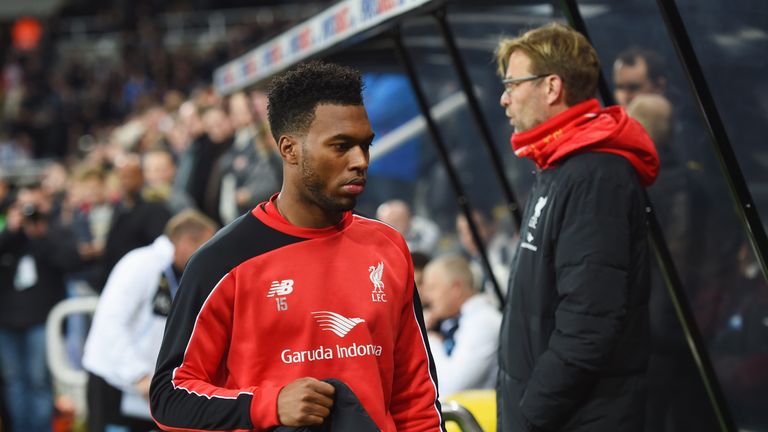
104,409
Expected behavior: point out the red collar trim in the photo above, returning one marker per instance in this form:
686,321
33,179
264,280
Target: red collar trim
267,213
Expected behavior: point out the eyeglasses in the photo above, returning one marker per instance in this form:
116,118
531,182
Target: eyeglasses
512,83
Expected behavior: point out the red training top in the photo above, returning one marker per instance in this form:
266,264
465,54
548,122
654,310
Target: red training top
265,302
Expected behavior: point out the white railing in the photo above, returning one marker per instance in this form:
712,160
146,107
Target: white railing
68,379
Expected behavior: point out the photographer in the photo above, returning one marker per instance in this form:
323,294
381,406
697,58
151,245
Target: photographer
35,253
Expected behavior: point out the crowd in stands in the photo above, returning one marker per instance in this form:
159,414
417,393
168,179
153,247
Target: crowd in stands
96,155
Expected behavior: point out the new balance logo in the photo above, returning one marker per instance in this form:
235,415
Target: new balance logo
333,322
281,288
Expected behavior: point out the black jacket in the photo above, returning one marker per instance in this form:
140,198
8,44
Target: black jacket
53,256
132,227
347,414
575,337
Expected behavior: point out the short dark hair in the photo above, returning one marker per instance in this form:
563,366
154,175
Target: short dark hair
294,95
653,61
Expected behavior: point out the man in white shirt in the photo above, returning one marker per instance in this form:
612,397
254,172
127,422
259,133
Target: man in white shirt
466,339
499,245
127,329
421,234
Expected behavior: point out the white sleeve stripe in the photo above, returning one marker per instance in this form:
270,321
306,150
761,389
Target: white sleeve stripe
374,220
429,367
211,396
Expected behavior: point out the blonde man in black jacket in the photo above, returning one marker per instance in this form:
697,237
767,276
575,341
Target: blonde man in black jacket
574,340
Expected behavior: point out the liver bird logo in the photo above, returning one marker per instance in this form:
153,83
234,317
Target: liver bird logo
336,323
377,273
539,207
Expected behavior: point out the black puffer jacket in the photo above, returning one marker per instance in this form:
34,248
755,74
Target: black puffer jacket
575,337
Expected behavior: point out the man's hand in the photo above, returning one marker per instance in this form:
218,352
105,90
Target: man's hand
304,402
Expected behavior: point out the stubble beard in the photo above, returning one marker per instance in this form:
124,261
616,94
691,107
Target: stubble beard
314,187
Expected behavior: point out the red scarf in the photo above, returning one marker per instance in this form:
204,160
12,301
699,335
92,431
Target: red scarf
585,127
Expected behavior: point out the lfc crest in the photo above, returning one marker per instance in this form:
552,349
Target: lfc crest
377,272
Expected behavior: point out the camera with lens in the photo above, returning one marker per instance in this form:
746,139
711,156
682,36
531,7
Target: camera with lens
32,213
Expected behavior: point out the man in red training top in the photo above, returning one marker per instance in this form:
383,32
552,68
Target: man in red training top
300,289
574,339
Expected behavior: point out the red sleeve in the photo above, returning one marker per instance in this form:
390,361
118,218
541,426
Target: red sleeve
415,405
187,390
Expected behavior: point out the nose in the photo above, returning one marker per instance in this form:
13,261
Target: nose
504,99
358,158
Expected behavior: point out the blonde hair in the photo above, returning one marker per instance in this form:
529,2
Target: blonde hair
454,268
87,172
559,50
190,222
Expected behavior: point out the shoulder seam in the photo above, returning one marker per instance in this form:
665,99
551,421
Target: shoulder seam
394,231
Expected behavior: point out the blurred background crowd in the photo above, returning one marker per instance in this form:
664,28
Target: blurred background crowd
110,126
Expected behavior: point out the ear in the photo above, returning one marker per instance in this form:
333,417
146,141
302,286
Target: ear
456,286
555,89
288,146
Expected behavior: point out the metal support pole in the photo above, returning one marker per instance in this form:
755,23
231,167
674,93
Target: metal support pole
442,151
674,285
474,108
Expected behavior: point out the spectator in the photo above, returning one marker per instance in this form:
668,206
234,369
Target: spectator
191,177
251,169
36,253
15,149
91,220
135,222
574,343
218,129
122,346
159,171
638,71
465,346
739,349
6,198
420,233
499,247
54,183
675,394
